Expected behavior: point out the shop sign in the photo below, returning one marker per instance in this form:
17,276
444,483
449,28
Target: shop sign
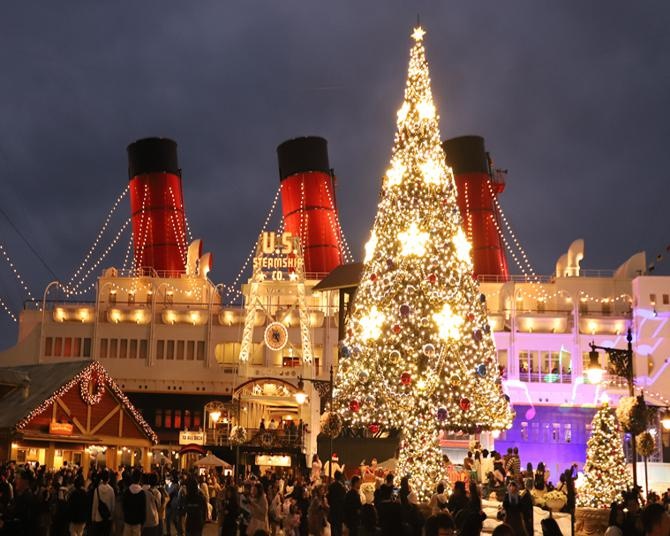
60,428
277,256
273,461
191,438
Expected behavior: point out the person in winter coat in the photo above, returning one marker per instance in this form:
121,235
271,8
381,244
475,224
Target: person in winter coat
317,511
335,496
352,506
134,506
195,507
78,507
102,508
258,508
151,526
231,511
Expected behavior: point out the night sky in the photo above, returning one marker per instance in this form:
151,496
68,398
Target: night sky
571,97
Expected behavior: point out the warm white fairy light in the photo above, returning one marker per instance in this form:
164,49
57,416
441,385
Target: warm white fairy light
8,310
395,173
426,110
370,246
606,473
449,324
413,241
233,289
403,111
371,324
418,354
17,275
75,289
462,245
499,210
99,236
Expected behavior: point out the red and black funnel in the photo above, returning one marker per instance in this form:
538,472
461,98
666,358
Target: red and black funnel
157,206
308,202
476,190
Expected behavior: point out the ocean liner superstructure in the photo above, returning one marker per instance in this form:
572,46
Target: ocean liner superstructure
195,365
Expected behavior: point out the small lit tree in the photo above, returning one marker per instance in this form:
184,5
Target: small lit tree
606,476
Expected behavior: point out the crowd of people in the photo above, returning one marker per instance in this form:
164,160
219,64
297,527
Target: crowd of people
36,501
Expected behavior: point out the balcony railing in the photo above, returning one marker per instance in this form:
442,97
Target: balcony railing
266,439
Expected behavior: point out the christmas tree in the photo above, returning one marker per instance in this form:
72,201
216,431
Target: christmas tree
605,473
418,353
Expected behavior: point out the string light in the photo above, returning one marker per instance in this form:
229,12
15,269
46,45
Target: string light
418,353
94,372
233,288
111,212
75,288
18,276
7,310
606,474
509,229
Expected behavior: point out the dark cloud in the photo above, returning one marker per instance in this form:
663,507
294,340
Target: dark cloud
571,98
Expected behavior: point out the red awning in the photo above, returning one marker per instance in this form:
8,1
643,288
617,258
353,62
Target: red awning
192,448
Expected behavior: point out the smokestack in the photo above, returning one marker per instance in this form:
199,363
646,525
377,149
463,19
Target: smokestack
157,206
476,190
308,201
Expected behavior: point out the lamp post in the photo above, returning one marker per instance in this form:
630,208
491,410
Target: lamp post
621,364
325,389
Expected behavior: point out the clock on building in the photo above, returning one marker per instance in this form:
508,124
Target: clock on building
276,336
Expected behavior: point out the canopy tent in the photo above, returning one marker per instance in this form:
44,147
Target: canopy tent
212,461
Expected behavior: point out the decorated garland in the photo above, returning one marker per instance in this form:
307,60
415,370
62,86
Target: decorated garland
85,375
238,435
331,424
633,414
645,444
97,381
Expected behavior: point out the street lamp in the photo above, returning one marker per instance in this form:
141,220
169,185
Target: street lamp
215,415
620,364
665,420
325,389
594,372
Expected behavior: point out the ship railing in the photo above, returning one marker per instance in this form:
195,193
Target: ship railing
269,439
527,278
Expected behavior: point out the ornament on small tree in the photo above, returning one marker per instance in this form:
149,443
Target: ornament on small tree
406,378
464,404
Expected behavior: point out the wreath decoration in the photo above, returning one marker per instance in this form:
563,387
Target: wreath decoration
266,439
98,382
331,424
238,435
645,444
633,414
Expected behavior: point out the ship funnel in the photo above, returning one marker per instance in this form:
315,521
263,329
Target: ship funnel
308,202
157,206
477,187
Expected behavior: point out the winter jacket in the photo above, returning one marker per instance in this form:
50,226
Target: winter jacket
134,505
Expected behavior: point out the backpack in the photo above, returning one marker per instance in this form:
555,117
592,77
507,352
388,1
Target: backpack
103,509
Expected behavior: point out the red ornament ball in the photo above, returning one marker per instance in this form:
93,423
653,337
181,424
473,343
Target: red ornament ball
373,278
406,378
397,329
374,428
354,406
471,317
464,404
432,279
